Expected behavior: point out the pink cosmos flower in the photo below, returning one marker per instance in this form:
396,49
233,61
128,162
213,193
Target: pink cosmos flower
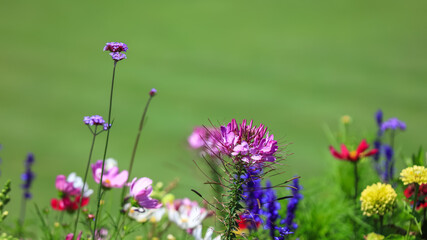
251,144
111,178
71,236
141,190
71,191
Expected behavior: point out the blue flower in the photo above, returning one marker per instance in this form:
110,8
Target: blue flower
28,176
393,124
253,197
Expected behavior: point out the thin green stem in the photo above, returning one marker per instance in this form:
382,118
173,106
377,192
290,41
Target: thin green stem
413,209
85,178
22,214
135,146
105,150
381,224
356,181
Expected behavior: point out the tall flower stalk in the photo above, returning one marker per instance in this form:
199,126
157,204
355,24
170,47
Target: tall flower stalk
28,178
245,147
353,157
115,49
90,121
152,93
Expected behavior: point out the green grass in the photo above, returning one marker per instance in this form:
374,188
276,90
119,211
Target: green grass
292,65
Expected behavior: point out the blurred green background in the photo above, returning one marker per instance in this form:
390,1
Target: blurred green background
295,66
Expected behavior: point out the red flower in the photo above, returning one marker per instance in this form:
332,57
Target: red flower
68,204
353,156
422,195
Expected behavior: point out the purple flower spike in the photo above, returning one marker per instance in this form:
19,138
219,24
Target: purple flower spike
153,92
379,117
28,176
116,47
118,56
393,123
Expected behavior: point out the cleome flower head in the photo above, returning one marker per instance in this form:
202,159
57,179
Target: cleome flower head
378,199
250,144
414,174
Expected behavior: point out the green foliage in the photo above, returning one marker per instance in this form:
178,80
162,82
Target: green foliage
4,200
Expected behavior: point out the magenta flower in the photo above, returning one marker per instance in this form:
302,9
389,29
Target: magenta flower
140,190
205,139
115,47
111,178
71,236
118,56
251,144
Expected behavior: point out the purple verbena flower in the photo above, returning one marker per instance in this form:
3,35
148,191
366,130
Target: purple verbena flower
118,56
393,124
93,120
28,176
153,92
116,47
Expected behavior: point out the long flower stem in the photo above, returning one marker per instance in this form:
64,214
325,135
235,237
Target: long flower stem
135,146
84,181
413,209
356,181
233,206
105,150
381,223
22,214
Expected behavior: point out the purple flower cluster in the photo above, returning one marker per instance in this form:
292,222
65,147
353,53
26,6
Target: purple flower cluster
393,124
292,206
28,176
271,209
253,198
97,121
116,49
250,144
385,168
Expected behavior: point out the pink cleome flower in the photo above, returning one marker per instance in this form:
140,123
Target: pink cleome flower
248,143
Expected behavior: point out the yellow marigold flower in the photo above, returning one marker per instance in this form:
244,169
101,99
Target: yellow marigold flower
414,174
378,199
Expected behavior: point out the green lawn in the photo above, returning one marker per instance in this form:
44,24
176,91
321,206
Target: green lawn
295,66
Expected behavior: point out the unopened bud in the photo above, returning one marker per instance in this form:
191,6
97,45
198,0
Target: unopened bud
153,92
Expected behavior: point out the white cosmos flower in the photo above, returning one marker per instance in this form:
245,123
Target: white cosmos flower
186,214
78,184
143,214
197,234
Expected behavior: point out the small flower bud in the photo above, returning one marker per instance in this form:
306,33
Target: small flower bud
153,92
